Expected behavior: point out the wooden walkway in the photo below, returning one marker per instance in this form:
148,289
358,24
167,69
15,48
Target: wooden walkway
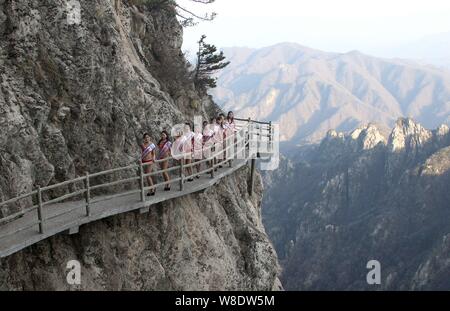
47,218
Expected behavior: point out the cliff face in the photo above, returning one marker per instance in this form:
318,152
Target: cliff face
76,96
209,241
359,197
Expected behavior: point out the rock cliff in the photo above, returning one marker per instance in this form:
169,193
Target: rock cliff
364,196
80,82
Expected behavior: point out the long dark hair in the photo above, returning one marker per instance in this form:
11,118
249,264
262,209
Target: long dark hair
220,118
228,116
167,135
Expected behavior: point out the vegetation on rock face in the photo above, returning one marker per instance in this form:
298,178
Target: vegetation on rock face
176,72
186,16
209,61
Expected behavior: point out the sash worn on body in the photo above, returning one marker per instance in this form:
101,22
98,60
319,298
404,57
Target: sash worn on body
164,150
198,145
188,143
147,150
207,135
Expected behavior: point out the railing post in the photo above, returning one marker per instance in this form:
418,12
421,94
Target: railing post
250,138
181,175
258,146
246,141
248,129
141,181
87,195
270,137
214,159
212,167
232,153
39,210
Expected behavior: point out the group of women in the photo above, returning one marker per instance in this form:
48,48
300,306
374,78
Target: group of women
189,146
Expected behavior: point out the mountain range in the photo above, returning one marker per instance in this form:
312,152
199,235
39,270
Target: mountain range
362,196
308,92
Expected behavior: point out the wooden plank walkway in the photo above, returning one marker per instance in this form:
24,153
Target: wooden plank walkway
46,219
75,212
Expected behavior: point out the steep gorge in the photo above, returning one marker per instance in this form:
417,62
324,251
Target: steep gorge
358,197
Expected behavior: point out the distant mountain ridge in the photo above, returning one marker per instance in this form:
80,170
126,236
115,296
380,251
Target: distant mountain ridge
432,49
310,92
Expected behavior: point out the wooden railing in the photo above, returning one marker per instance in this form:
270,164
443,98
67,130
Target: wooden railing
87,189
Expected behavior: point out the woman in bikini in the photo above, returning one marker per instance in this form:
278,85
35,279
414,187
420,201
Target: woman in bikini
230,124
198,148
188,148
230,129
208,142
164,146
148,158
218,138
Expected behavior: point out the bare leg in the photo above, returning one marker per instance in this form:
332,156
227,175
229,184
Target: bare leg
164,166
198,167
189,169
148,170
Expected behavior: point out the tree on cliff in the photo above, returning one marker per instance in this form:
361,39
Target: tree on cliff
187,16
209,61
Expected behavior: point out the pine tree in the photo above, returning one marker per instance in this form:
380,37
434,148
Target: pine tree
209,61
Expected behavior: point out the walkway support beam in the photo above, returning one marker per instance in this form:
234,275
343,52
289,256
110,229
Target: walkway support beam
252,176
270,137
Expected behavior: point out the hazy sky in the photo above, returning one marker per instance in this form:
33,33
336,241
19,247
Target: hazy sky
330,25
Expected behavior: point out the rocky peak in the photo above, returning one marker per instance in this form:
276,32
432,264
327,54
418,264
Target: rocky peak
329,214
332,134
409,135
336,144
333,144
442,135
367,137
442,131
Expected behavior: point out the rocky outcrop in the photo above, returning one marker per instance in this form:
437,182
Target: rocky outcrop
409,136
80,82
359,197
